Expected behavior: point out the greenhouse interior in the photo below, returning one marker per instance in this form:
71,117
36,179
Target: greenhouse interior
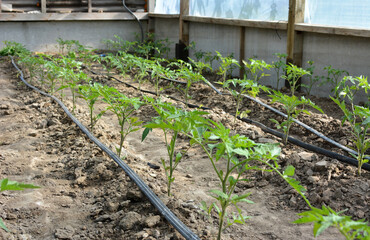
184,119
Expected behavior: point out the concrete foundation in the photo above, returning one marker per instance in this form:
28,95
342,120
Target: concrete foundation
42,36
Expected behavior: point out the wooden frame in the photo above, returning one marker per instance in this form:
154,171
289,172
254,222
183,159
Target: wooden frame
183,25
37,17
280,25
43,6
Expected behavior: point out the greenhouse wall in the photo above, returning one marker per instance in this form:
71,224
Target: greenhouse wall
167,28
42,36
341,52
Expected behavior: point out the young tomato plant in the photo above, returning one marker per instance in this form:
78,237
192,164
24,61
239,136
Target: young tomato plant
227,65
322,218
326,217
5,184
186,72
141,70
293,74
123,107
334,78
156,74
237,152
244,86
357,116
256,68
173,121
72,76
90,93
279,67
313,79
51,75
290,104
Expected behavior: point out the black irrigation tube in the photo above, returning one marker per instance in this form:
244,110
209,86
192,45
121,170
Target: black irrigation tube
150,92
154,199
266,129
137,19
319,134
314,131
307,146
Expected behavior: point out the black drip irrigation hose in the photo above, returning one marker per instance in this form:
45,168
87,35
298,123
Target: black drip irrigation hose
314,131
137,19
307,146
266,129
319,134
154,199
190,105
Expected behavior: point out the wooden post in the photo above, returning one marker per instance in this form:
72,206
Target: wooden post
242,51
0,6
184,26
290,34
43,6
151,5
151,21
295,38
89,6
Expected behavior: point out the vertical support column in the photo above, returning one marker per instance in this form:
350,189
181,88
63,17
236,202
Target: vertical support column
241,51
181,51
151,5
295,38
184,26
89,6
151,21
43,6
291,32
0,6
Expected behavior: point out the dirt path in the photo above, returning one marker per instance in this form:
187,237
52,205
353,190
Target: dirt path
85,196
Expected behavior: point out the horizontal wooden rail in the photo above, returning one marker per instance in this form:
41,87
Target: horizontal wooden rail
281,25
161,15
36,17
333,30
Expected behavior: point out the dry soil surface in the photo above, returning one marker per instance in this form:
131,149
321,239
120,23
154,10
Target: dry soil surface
85,195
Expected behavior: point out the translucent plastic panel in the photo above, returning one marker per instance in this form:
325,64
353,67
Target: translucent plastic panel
349,13
241,9
167,7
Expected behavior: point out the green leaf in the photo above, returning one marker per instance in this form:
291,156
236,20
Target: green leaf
145,133
178,157
289,171
15,186
219,194
2,225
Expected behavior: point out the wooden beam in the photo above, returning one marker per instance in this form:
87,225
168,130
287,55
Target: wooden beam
295,38
21,17
333,30
277,25
89,6
162,15
184,26
241,51
151,5
290,31
151,21
43,6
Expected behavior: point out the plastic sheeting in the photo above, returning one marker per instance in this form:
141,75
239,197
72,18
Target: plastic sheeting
241,9
167,7
349,13
238,9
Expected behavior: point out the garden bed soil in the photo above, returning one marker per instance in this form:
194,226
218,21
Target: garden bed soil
84,195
